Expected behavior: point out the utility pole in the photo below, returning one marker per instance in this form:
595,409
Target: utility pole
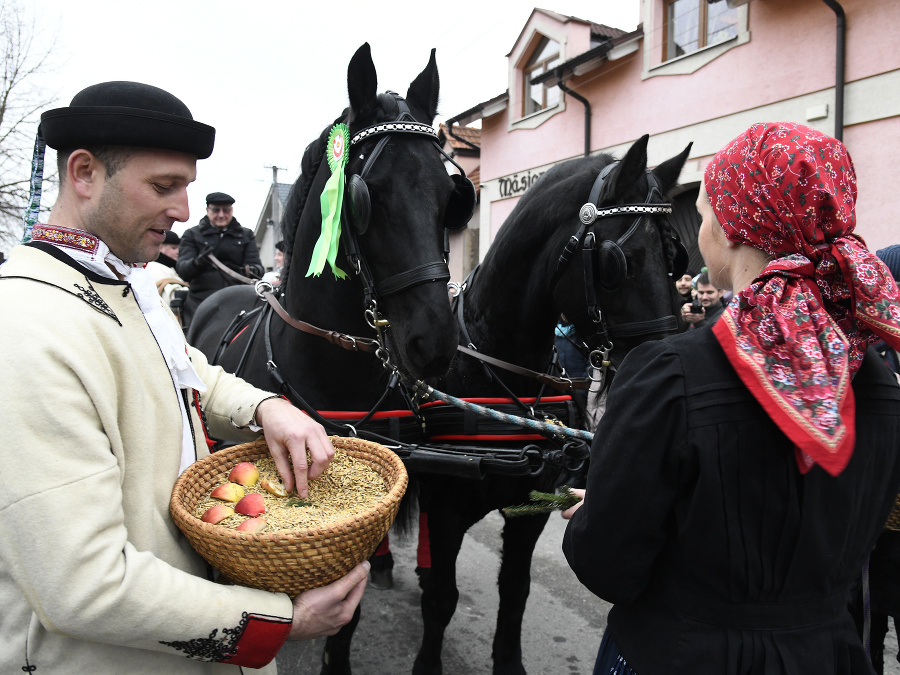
276,203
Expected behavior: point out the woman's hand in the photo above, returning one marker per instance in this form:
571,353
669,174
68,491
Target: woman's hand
572,509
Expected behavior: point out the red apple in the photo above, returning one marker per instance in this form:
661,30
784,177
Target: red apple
216,514
252,525
244,473
229,492
252,505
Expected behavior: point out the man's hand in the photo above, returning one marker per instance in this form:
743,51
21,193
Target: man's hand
690,317
322,611
291,433
202,260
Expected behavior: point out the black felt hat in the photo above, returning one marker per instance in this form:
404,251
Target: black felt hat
128,114
219,198
171,238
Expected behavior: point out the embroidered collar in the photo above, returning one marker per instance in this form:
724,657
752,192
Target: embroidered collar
64,237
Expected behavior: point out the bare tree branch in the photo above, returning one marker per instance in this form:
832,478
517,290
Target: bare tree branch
23,60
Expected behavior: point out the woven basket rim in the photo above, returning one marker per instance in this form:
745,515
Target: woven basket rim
238,453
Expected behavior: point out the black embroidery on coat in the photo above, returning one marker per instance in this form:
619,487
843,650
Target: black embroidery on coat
92,297
213,649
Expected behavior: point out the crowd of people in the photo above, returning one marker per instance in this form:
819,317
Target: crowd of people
740,477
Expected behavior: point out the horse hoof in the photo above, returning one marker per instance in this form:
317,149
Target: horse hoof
424,574
381,579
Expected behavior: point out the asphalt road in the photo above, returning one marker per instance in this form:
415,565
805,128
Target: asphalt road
561,633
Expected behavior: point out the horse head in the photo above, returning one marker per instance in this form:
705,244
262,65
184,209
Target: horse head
618,287
398,200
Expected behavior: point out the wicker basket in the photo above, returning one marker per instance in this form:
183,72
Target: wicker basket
893,521
293,561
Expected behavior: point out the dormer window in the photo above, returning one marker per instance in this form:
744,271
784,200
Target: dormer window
694,24
539,97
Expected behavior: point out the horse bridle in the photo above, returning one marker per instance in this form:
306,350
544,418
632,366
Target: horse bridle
604,264
356,208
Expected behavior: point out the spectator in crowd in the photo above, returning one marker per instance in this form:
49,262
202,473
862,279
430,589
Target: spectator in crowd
708,301
94,575
570,359
684,286
274,277
163,268
221,235
741,475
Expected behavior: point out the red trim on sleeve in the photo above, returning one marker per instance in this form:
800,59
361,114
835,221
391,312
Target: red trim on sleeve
260,641
210,442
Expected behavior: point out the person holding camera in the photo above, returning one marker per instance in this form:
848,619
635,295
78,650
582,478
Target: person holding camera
706,307
220,234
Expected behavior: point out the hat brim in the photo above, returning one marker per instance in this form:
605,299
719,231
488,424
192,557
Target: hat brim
80,127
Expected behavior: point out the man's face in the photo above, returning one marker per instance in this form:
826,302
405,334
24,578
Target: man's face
170,250
683,285
220,214
279,258
708,294
140,203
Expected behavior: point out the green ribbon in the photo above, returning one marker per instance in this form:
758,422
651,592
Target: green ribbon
331,201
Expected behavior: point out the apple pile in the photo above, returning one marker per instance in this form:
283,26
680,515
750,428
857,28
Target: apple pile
249,504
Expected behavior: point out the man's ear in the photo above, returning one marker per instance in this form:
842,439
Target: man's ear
85,173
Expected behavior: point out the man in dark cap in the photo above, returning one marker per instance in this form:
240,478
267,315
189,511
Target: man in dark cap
104,407
221,235
163,269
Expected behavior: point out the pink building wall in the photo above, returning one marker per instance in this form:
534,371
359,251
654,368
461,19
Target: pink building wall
785,70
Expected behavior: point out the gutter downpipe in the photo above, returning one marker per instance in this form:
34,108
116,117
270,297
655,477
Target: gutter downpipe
450,133
587,112
840,60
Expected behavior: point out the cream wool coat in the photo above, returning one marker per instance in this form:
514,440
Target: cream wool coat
94,576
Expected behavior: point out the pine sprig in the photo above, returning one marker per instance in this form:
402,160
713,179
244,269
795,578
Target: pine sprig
544,502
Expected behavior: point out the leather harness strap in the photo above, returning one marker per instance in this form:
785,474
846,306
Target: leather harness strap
354,344
560,383
230,272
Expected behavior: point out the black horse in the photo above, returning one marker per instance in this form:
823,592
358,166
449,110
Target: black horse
392,315
613,283
398,201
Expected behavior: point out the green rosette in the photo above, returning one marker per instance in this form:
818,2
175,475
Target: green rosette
332,198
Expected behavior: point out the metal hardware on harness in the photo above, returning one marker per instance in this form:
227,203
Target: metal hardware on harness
374,319
263,287
599,358
589,212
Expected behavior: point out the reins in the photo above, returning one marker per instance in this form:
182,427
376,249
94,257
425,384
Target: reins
227,271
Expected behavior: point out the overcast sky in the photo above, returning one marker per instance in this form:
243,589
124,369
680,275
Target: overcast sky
271,77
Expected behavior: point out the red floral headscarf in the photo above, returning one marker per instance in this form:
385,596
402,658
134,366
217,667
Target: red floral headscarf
799,332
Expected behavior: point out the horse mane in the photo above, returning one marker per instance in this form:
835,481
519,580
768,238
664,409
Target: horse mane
313,155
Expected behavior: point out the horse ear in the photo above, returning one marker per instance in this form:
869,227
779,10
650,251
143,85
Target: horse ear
628,172
668,171
362,82
423,92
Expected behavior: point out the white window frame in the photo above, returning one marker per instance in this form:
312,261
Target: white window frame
654,18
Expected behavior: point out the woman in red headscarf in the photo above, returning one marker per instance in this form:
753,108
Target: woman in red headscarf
742,473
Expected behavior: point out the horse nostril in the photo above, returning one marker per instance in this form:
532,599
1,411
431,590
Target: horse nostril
429,357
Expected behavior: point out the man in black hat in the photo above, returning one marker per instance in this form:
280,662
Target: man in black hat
104,407
221,235
163,268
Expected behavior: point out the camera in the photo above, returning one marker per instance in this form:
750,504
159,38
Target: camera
696,308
